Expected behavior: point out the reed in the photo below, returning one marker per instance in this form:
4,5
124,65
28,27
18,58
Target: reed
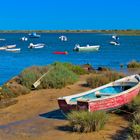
84,121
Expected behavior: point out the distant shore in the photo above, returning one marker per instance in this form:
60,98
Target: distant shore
119,32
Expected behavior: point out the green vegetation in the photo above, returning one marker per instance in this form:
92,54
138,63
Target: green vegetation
103,78
87,121
59,77
133,64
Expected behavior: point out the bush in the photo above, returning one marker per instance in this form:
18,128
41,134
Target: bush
133,64
103,78
134,105
135,127
74,68
83,121
31,75
96,81
59,77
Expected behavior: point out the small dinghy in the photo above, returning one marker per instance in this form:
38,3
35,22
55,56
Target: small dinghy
107,97
86,48
36,46
2,48
34,35
13,50
10,46
58,52
115,40
24,38
63,38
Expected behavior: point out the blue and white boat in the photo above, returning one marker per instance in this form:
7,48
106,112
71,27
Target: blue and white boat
34,35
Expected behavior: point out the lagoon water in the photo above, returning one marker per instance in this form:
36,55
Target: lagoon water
12,64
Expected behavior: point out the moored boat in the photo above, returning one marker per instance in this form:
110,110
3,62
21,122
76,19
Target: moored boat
58,52
86,48
24,38
2,48
10,46
36,46
114,43
107,97
63,38
34,35
13,50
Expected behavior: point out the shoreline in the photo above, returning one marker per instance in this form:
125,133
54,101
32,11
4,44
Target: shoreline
119,32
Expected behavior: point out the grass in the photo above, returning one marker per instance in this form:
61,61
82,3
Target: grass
103,78
84,121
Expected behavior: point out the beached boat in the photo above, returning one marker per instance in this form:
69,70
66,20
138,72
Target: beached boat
36,46
86,48
58,52
107,97
34,35
13,50
63,38
24,38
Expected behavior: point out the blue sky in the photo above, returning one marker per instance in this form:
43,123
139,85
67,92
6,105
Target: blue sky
69,14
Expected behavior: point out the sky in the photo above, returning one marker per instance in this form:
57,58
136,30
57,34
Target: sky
69,14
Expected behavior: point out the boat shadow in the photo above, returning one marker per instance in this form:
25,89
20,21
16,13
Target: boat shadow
55,114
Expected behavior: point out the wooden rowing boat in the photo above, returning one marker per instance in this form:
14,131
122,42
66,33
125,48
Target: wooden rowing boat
109,96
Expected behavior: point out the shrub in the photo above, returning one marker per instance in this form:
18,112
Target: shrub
84,121
31,75
135,126
74,68
133,64
96,81
103,78
134,105
59,77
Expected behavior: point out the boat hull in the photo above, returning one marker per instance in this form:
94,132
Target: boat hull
109,103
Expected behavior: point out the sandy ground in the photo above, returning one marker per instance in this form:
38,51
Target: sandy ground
36,117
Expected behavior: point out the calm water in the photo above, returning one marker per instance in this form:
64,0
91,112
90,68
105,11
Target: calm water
12,64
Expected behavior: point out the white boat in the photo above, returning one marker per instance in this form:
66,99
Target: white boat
2,48
10,46
2,39
86,48
13,50
114,43
115,40
24,38
63,38
36,46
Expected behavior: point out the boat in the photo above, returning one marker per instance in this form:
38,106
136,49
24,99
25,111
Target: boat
34,35
2,39
63,38
36,46
115,40
114,43
106,97
13,50
2,48
86,48
24,38
10,46
58,52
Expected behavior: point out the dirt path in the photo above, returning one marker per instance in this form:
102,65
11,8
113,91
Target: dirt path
27,120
